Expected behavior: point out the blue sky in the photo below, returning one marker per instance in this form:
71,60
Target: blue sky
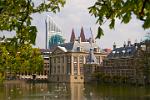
75,15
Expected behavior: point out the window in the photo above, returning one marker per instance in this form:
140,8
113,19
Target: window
58,70
68,69
58,59
98,59
75,69
54,69
68,59
63,71
75,77
78,49
81,69
81,59
63,60
54,60
75,59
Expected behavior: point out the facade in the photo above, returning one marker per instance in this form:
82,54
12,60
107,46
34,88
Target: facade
45,53
128,63
54,35
67,60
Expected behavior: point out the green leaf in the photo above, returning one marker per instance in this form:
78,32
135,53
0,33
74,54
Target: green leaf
146,24
100,32
112,24
126,18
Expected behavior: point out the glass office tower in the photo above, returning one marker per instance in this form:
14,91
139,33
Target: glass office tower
54,35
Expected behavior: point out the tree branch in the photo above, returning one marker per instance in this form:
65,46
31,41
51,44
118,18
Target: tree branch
142,10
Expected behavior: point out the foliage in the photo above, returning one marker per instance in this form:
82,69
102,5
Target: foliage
17,54
15,16
122,9
22,59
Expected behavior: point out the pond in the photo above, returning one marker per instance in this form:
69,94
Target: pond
62,91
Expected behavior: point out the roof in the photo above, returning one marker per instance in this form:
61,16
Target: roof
122,52
62,48
75,46
45,50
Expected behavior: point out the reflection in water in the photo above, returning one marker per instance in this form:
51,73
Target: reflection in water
55,91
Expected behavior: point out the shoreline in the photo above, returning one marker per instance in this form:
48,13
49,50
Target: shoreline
14,81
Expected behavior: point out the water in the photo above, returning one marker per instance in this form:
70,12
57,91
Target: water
49,91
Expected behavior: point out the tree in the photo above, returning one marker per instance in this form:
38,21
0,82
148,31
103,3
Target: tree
4,62
15,16
30,59
22,58
17,53
122,9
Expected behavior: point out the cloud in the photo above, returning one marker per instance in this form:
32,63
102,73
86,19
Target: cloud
75,14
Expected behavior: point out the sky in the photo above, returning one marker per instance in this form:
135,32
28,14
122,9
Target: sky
75,15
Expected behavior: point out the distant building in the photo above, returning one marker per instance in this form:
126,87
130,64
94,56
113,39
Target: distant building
107,50
67,60
128,62
45,53
54,35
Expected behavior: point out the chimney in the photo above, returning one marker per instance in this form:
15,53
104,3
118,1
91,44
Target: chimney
129,42
124,45
135,43
114,46
79,39
72,39
82,35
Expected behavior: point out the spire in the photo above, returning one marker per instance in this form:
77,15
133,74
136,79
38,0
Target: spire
82,35
92,36
72,39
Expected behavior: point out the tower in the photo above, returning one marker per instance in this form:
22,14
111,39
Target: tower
72,39
46,36
82,35
54,35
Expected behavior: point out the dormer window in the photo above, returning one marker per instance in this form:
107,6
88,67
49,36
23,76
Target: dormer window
78,49
123,51
113,52
95,49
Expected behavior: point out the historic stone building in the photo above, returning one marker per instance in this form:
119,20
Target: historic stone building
130,63
67,60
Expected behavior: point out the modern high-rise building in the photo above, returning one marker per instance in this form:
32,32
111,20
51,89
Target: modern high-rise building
54,35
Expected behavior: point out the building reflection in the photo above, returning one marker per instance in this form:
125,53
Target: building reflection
74,91
42,91
77,91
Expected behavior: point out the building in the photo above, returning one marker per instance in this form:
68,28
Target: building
128,63
91,66
54,34
45,54
67,60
